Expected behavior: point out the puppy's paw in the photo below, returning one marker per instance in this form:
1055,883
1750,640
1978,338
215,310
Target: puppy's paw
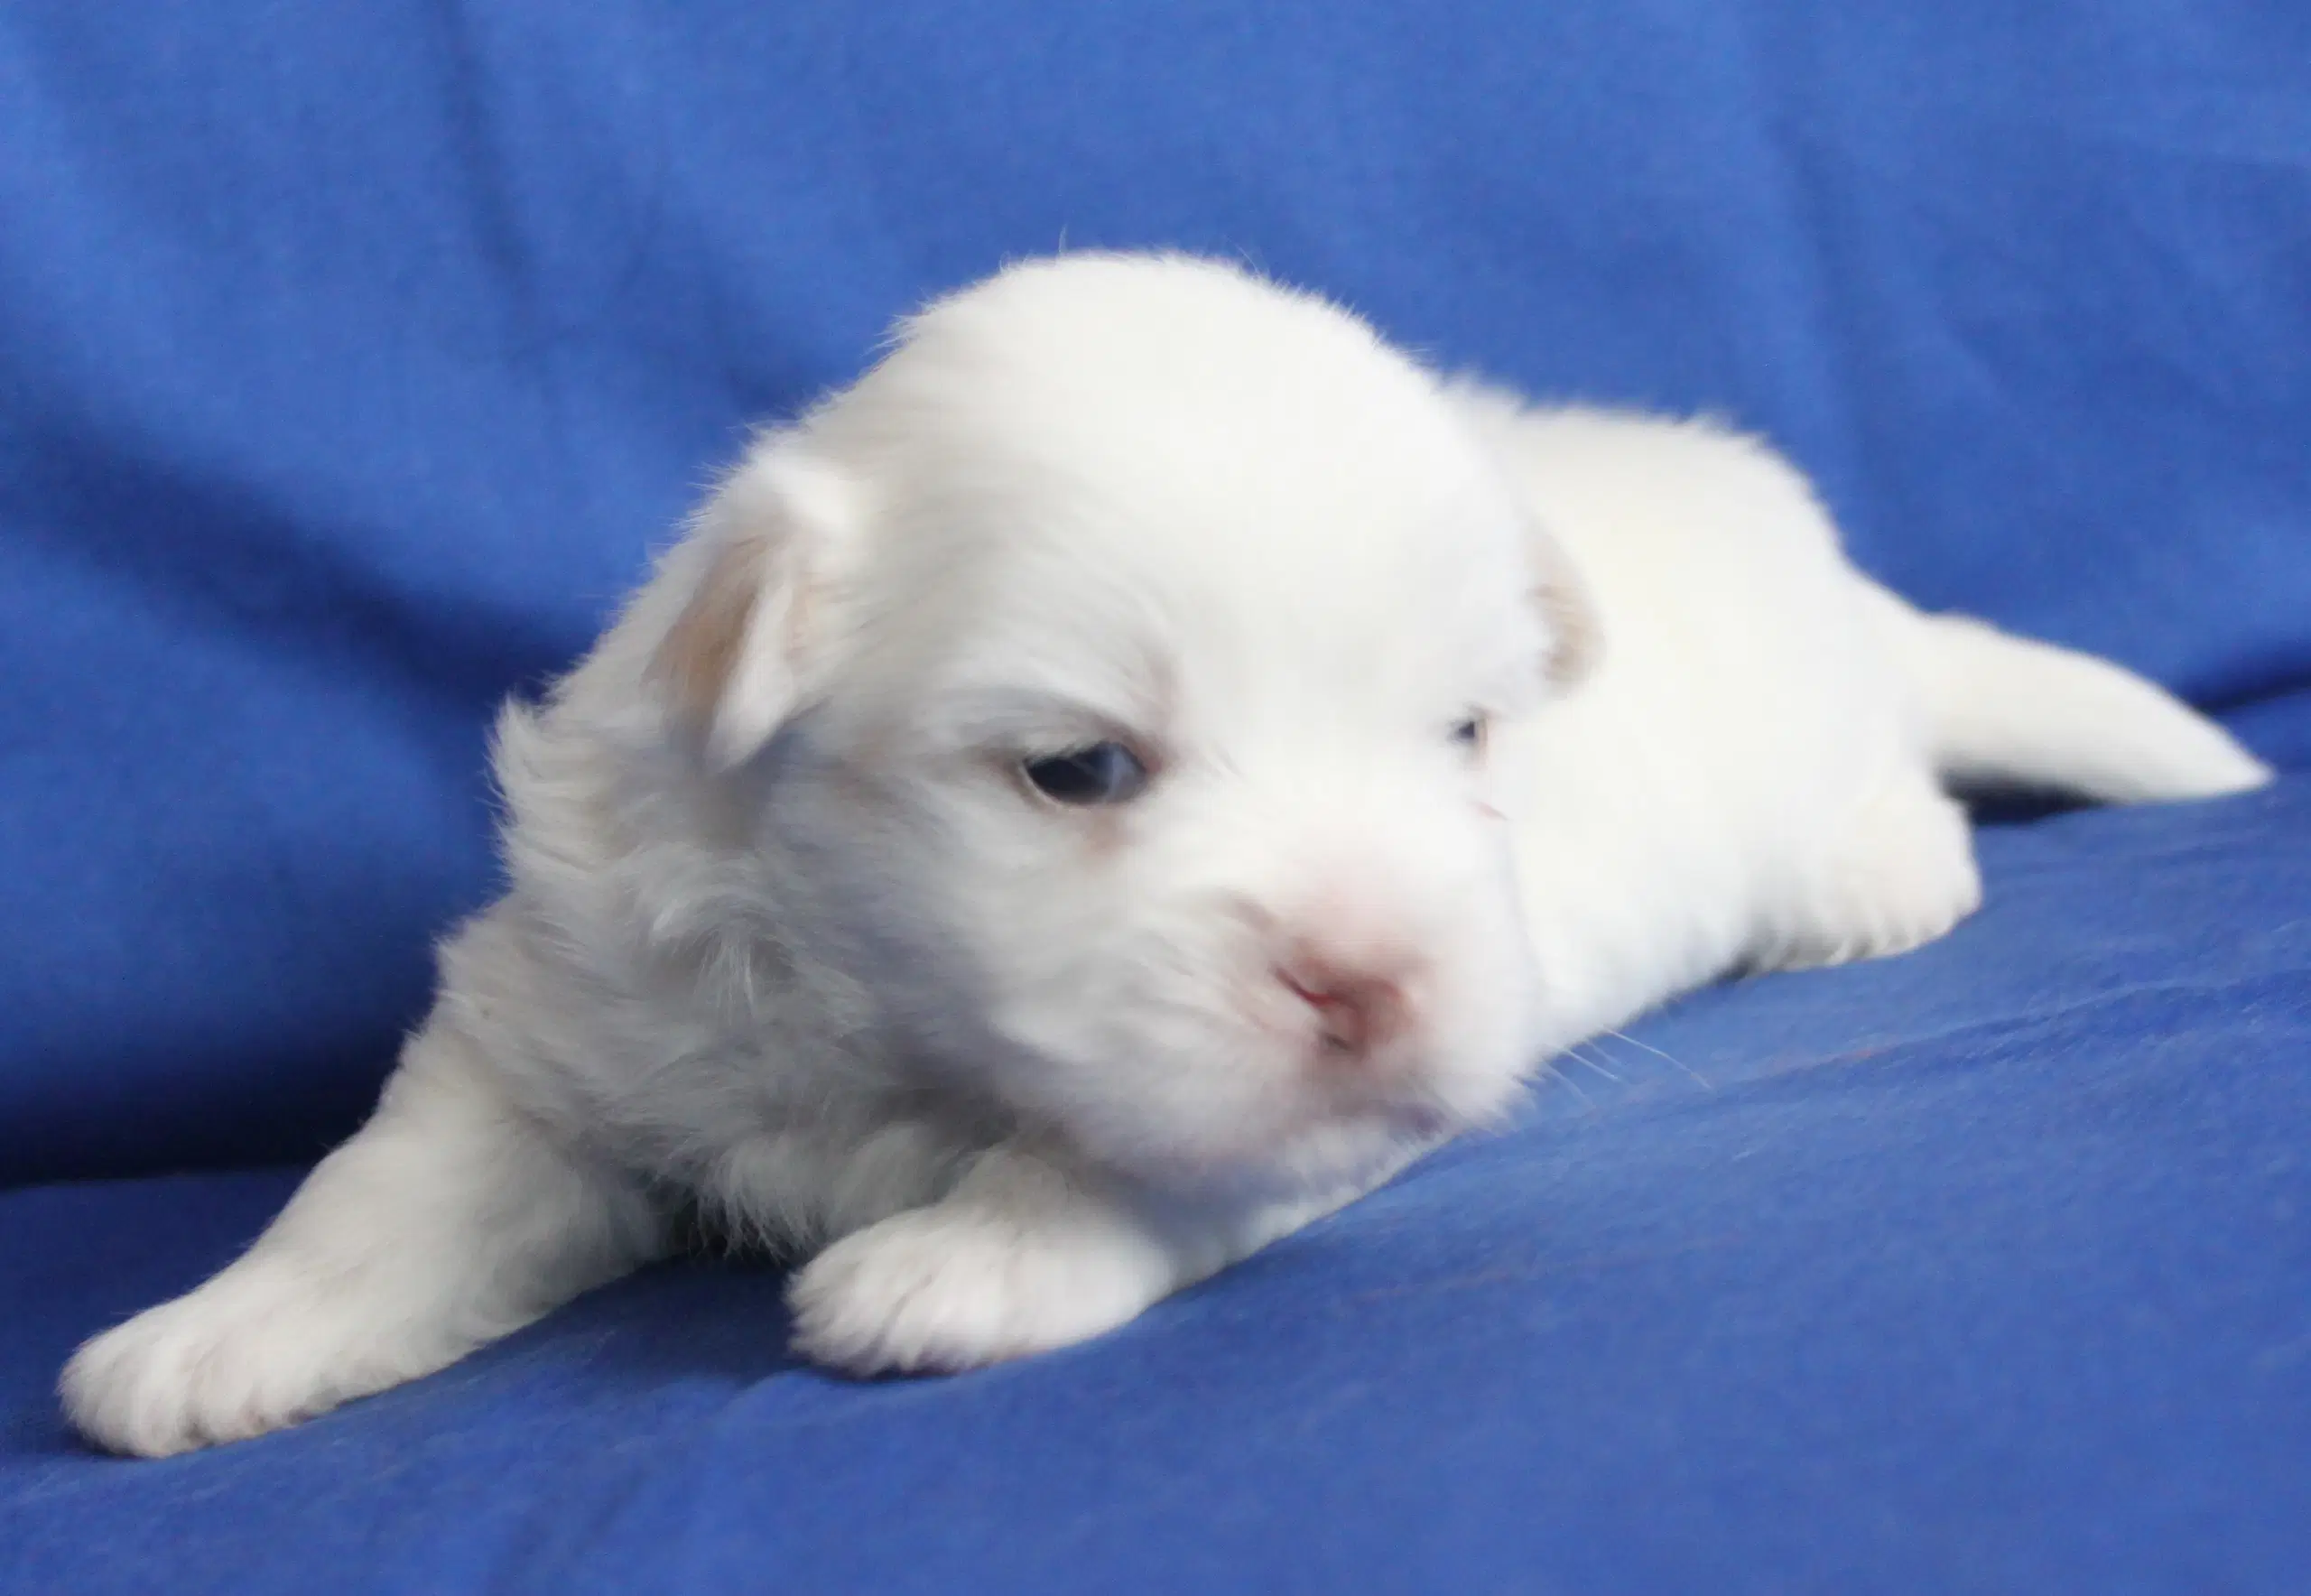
951,1287
1904,877
249,1352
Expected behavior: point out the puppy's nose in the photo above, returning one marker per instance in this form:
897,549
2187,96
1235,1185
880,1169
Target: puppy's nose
1358,1009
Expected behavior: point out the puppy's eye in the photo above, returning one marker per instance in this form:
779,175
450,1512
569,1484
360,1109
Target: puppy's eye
1474,733
1103,772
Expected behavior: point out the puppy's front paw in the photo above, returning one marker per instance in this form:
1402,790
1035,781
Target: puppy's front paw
246,1353
952,1287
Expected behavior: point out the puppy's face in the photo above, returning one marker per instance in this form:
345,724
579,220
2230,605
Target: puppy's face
1151,726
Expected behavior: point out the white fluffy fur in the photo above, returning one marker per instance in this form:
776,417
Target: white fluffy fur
788,937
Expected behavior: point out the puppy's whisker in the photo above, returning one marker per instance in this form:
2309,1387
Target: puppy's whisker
1699,1079
1579,1057
1571,1085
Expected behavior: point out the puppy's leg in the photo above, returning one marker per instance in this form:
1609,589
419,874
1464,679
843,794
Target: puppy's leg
1023,1256
451,1219
1903,874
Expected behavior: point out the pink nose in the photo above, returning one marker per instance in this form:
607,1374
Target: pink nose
1357,1010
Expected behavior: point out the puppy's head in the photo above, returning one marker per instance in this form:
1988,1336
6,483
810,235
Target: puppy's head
1139,630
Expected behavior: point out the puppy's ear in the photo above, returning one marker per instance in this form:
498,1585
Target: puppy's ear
749,647
1576,632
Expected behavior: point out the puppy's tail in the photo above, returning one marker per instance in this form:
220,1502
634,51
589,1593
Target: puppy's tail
2003,711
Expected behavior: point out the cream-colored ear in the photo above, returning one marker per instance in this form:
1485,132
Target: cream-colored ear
748,648
1576,631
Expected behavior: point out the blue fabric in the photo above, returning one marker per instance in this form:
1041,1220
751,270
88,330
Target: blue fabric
1981,1269
353,358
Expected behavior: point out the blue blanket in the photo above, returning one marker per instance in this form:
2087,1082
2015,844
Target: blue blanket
353,360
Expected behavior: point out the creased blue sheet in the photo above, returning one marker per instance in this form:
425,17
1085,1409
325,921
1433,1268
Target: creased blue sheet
354,357
1982,1269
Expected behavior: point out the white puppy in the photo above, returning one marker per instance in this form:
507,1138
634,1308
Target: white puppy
1112,784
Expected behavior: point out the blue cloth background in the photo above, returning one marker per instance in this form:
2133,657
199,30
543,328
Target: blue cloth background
353,357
